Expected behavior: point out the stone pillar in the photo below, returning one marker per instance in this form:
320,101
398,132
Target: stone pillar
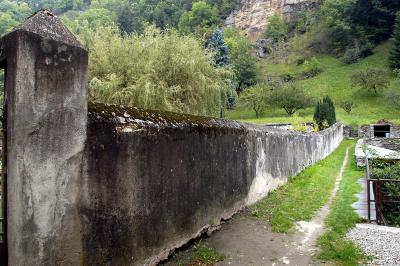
46,94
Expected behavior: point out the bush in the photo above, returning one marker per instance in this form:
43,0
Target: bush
351,55
300,61
367,49
347,106
277,29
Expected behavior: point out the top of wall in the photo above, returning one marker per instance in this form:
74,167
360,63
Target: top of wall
124,116
48,26
127,119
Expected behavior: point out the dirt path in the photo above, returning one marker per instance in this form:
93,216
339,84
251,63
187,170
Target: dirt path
245,240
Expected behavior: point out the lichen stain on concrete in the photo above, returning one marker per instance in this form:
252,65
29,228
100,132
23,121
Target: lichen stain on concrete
263,181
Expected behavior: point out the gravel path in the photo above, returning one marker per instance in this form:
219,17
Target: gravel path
381,242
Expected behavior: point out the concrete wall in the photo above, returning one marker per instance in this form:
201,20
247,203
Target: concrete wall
46,77
122,186
155,180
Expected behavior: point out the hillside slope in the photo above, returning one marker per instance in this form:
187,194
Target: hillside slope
335,82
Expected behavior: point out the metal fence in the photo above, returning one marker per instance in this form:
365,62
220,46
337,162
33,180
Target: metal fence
380,194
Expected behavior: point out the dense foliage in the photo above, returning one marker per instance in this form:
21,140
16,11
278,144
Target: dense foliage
129,15
156,70
394,58
277,29
391,211
242,59
11,14
358,22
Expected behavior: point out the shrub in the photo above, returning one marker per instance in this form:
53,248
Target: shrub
367,49
277,29
300,61
351,55
347,106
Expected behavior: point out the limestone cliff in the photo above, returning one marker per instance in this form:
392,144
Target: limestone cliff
251,16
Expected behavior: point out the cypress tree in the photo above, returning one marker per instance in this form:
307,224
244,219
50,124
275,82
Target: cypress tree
330,111
394,58
218,46
325,113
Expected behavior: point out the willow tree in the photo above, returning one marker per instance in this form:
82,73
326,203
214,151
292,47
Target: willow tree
155,70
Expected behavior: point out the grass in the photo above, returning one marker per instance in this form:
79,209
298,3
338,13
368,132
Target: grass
335,82
204,255
303,195
333,245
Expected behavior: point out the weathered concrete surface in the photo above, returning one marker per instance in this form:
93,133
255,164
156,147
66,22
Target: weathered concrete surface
155,180
46,132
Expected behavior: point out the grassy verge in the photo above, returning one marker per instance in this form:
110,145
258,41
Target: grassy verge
333,245
204,255
303,195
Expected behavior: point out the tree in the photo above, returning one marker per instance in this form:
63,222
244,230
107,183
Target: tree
255,98
372,79
347,106
11,14
325,114
200,19
394,58
155,70
277,28
291,97
7,23
217,45
243,61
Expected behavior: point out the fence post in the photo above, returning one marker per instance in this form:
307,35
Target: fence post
46,92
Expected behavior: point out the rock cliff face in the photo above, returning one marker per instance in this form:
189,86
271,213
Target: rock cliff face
251,16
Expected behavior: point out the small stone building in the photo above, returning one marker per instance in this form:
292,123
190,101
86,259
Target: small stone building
381,129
